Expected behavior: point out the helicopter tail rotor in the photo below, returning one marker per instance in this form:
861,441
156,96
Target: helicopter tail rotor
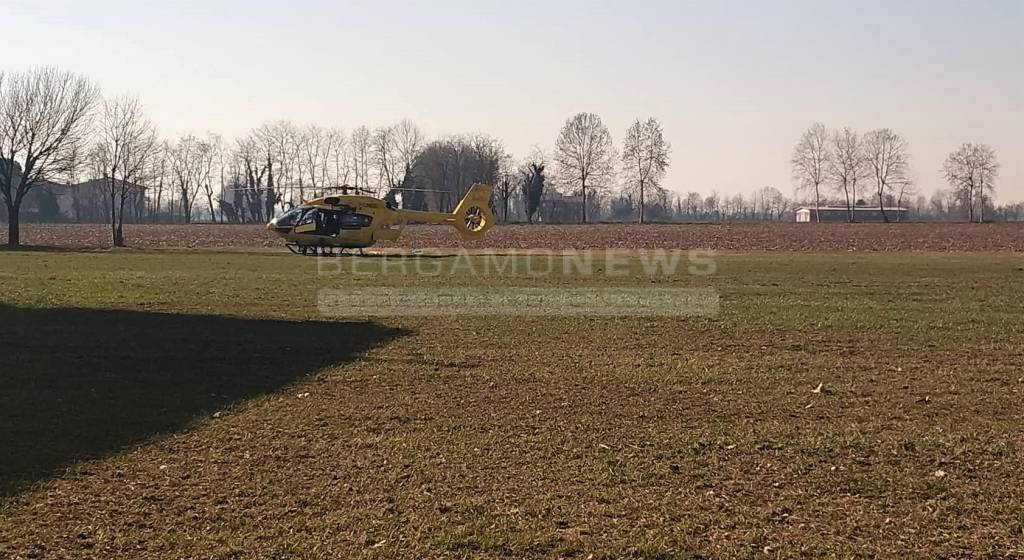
473,216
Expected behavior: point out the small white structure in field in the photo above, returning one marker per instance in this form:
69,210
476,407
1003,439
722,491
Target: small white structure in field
834,214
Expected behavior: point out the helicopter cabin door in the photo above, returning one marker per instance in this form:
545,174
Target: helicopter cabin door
308,222
325,223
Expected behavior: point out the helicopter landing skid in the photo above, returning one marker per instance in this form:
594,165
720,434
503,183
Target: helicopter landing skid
321,251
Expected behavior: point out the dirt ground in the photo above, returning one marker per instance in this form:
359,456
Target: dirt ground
741,237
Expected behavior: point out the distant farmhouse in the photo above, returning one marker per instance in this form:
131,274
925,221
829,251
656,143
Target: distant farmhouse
864,214
559,208
86,202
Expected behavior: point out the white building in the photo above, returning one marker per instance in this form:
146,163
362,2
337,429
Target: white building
834,214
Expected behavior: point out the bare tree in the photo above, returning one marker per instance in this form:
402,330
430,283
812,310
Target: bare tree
361,149
768,203
847,166
779,204
157,174
280,144
384,158
585,155
77,162
446,168
321,159
395,150
186,164
810,162
209,157
505,185
409,141
336,169
645,155
486,154
888,162
533,184
252,179
972,171
712,206
44,114
126,141
904,190
306,141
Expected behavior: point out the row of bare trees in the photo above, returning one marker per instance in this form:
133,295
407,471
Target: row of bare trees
123,146
586,158
126,153
113,141
55,127
837,162
972,171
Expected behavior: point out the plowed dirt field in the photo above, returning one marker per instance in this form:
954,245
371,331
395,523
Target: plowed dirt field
746,237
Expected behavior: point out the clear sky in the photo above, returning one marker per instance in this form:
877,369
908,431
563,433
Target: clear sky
734,83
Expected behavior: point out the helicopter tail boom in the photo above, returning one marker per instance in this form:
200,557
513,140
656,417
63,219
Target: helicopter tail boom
472,217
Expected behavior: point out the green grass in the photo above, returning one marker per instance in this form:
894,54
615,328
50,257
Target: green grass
196,404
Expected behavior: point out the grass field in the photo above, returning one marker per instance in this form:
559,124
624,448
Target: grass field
196,405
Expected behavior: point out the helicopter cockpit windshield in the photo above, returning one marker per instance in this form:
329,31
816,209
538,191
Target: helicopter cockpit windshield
290,218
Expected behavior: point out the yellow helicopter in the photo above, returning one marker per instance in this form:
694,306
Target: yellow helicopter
346,221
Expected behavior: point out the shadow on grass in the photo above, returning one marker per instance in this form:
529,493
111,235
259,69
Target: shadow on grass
79,384
4,248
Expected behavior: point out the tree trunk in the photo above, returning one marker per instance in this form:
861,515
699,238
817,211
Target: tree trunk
76,204
113,212
849,206
641,202
970,203
271,201
13,225
817,204
881,207
853,210
584,190
119,230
